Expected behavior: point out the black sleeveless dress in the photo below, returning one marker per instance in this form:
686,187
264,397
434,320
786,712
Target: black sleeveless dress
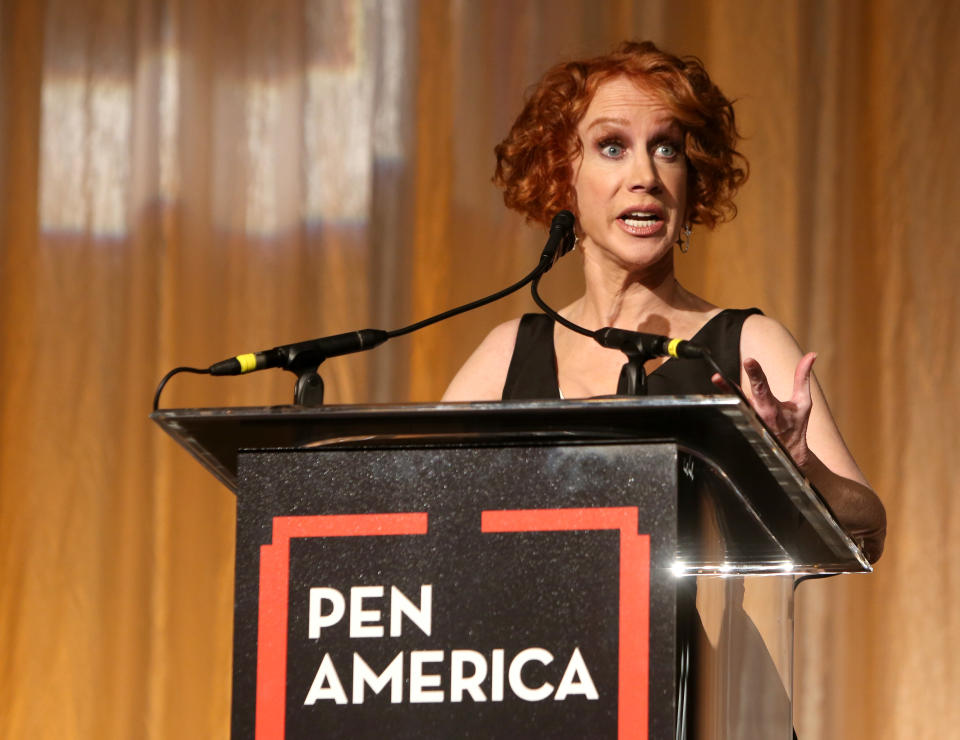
533,367
533,375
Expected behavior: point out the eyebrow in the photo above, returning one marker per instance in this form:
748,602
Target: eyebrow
668,125
607,119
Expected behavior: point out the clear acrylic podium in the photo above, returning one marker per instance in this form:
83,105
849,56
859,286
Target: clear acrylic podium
614,567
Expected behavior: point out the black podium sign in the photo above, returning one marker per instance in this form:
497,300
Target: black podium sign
380,606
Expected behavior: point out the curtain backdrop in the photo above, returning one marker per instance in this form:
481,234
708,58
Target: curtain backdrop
182,181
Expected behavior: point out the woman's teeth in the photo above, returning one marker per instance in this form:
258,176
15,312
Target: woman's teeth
638,220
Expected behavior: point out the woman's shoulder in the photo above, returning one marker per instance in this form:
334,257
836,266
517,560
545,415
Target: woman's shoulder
762,332
483,374
770,343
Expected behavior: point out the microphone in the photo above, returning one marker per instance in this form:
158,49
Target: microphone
311,353
631,343
303,357
649,345
640,347
301,354
560,240
637,346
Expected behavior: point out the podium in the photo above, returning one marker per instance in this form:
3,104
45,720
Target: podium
607,568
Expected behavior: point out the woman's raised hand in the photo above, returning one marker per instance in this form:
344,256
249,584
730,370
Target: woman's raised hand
787,419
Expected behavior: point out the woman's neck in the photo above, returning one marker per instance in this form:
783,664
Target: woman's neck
640,300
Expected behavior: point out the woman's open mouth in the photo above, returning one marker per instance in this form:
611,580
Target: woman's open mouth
641,223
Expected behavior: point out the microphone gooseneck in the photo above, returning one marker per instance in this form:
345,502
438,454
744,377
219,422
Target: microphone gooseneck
559,242
303,358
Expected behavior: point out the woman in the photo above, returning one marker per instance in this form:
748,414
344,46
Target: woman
640,145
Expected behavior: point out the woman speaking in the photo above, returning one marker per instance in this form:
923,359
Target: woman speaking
641,146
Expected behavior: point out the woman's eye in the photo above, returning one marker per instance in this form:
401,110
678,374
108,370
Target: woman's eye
667,150
612,149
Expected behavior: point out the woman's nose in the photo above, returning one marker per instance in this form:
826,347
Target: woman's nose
643,174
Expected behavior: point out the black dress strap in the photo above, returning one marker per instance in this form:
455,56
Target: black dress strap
720,335
533,366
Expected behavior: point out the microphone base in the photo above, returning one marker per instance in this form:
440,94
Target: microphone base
308,392
633,377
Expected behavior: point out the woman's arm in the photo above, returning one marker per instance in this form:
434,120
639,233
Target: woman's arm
775,368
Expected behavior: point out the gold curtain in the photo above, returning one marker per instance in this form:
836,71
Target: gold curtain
181,181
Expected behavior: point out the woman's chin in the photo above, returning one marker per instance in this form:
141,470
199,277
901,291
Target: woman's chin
635,253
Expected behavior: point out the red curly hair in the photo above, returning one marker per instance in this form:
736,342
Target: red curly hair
535,161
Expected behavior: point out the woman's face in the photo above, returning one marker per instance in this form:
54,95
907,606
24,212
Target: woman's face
631,180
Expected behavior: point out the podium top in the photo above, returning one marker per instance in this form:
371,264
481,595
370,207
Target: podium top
721,433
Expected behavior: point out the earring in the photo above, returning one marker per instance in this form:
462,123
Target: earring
576,241
683,241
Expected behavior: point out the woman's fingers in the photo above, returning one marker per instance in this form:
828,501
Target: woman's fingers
768,408
786,419
759,388
718,380
801,380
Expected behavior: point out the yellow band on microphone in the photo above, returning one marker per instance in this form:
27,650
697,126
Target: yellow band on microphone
672,347
247,362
